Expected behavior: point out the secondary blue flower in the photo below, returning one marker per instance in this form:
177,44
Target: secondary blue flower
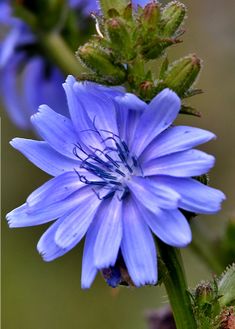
86,6
121,170
141,3
27,78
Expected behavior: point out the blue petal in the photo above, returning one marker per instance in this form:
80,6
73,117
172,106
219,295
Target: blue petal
82,122
181,164
32,84
129,109
44,157
8,46
159,115
138,247
88,267
195,196
54,190
75,224
28,216
5,13
176,139
131,102
39,88
99,106
131,127
151,195
11,97
56,130
170,226
48,248
109,234
111,92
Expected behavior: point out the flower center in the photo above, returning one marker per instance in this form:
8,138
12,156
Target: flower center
113,166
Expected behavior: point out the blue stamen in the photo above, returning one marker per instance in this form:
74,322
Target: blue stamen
107,170
112,161
109,195
135,163
120,172
125,147
115,183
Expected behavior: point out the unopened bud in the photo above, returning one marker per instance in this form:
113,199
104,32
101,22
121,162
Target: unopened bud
146,90
203,294
152,49
172,17
151,16
100,62
182,74
120,38
128,14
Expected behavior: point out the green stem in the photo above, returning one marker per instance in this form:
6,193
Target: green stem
58,51
204,248
176,287
53,44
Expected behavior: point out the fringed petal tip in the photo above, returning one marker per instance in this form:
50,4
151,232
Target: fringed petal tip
14,218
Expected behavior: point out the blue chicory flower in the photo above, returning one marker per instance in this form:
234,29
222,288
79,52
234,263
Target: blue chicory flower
121,170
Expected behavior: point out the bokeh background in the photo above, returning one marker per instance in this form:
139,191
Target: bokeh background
38,295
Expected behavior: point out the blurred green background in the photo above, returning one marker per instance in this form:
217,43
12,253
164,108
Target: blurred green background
38,295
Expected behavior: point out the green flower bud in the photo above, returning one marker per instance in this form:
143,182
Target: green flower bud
151,16
182,74
172,17
155,47
204,294
120,38
127,14
113,13
146,90
100,62
163,68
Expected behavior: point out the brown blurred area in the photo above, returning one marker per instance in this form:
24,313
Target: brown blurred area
38,295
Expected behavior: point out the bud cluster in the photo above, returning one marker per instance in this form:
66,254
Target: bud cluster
128,39
213,302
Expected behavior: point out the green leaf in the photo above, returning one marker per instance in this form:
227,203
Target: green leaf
164,68
226,287
190,111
